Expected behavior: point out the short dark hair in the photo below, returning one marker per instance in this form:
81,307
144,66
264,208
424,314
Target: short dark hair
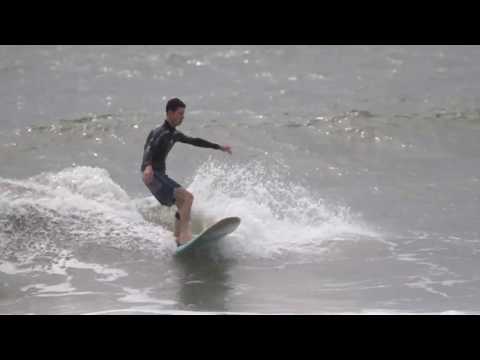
174,104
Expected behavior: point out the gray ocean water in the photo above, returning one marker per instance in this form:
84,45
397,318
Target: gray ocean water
355,170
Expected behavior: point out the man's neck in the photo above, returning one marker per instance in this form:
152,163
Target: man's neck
169,123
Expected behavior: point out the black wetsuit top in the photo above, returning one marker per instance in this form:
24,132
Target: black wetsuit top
161,140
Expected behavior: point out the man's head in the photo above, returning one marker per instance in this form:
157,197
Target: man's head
175,111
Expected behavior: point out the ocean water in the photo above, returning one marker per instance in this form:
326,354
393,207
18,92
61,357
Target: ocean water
355,171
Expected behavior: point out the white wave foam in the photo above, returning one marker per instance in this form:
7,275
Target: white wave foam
150,311
139,311
76,204
277,216
142,296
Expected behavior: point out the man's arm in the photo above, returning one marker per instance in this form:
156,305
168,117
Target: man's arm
147,160
147,151
196,141
202,143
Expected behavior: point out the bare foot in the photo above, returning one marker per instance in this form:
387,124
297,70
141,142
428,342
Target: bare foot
183,239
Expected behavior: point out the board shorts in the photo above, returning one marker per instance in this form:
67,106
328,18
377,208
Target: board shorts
163,188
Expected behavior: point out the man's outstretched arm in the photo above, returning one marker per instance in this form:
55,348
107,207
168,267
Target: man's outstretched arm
202,143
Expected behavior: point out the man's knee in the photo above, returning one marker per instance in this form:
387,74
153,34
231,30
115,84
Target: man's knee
188,199
183,196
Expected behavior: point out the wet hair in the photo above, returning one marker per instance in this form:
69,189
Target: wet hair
174,104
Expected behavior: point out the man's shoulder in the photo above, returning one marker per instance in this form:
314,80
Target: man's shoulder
178,135
159,129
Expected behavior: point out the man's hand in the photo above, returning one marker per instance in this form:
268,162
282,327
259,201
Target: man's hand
148,175
226,148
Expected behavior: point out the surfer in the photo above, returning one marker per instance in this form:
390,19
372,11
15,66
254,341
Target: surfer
166,190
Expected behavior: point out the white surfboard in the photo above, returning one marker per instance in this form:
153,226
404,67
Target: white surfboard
212,234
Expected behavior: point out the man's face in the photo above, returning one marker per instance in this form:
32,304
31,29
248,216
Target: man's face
176,117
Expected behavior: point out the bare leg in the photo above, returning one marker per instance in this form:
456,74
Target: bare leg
185,234
177,227
177,224
184,201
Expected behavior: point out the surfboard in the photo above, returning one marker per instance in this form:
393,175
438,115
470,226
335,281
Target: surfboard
212,234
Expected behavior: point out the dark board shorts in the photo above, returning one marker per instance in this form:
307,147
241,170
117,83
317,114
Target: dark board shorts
163,188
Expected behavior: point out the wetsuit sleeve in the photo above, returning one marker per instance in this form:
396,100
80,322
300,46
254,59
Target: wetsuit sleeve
147,151
180,137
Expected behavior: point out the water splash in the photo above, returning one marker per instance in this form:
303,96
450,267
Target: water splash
48,214
277,216
51,214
